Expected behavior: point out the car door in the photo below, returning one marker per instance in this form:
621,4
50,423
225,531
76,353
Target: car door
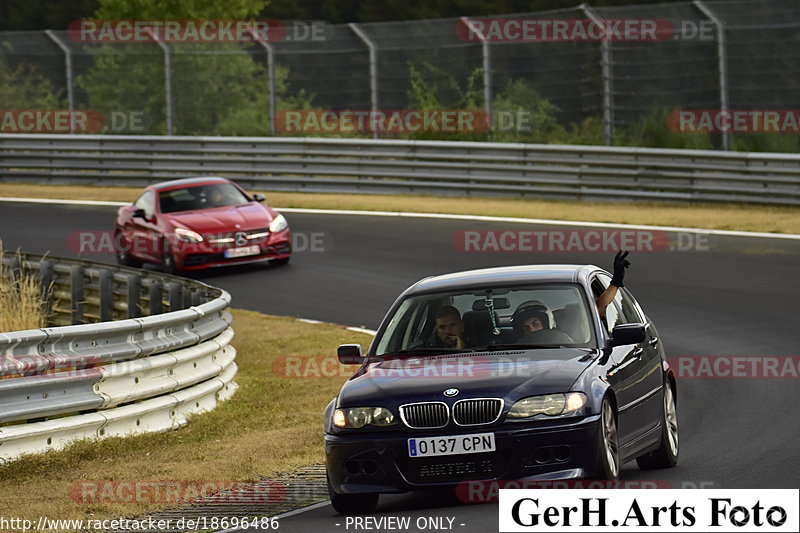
632,373
144,233
651,406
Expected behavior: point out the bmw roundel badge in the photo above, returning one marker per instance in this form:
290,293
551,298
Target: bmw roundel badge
451,392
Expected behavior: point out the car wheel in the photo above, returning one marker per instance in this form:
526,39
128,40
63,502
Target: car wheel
608,443
280,262
167,260
352,504
666,456
124,256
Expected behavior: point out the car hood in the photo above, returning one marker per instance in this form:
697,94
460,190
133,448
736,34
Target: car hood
223,219
394,381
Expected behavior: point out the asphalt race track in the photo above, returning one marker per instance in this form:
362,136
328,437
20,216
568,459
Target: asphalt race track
735,296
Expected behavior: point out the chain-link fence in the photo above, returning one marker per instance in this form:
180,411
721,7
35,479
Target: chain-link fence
715,55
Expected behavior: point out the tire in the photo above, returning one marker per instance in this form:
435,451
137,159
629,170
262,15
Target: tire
167,260
280,262
666,456
352,504
608,463
124,257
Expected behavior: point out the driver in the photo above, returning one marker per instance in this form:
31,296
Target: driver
532,319
216,197
535,316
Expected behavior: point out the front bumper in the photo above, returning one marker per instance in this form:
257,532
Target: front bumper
380,463
202,255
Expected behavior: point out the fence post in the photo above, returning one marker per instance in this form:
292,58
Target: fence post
606,62
68,66
373,70
270,76
167,78
487,74
722,64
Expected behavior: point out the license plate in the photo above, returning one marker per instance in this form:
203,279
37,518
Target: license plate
454,445
243,251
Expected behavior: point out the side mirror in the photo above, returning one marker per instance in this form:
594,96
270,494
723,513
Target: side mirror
350,354
627,334
258,197
139,213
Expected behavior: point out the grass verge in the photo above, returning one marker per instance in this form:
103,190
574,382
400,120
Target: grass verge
272,424
20,303
709,216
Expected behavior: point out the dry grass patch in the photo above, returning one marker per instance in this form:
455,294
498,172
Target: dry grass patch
20,300
709,216
272,424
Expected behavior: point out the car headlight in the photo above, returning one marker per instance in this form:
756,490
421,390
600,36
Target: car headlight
358,417
188,235
547,404
278,224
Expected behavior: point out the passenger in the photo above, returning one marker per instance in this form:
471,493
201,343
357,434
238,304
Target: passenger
450,327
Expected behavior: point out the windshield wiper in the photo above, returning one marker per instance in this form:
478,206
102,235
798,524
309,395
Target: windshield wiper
494,347
429,350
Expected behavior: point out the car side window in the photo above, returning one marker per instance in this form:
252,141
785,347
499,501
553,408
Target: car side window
629,310
146,202
613,317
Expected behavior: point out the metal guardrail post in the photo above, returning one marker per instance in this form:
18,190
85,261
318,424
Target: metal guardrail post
373,68
77,293
175,291
270,77
154,294
106,289
134,295
167,78
197,297
607,65
722,64
68,67
487,74
45,282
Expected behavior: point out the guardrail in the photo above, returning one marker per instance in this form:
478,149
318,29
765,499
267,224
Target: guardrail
398,166
143,351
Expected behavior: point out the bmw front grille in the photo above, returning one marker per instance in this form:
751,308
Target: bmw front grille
429,415
425,415
476,412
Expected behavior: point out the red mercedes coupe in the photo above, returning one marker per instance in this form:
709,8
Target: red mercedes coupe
198,223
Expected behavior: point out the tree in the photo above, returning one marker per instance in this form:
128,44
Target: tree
26,88
217,87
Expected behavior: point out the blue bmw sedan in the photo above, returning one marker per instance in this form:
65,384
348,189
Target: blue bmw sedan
512,373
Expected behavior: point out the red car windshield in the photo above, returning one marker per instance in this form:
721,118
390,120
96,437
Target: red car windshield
196,197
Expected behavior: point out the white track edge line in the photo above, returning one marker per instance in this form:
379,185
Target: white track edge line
481,218
282,515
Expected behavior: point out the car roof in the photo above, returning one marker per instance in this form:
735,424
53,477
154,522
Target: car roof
188,181
510,275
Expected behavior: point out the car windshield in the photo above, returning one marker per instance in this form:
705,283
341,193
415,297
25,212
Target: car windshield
195,197
533,316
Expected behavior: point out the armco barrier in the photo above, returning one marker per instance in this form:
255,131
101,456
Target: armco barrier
166,356
398,166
